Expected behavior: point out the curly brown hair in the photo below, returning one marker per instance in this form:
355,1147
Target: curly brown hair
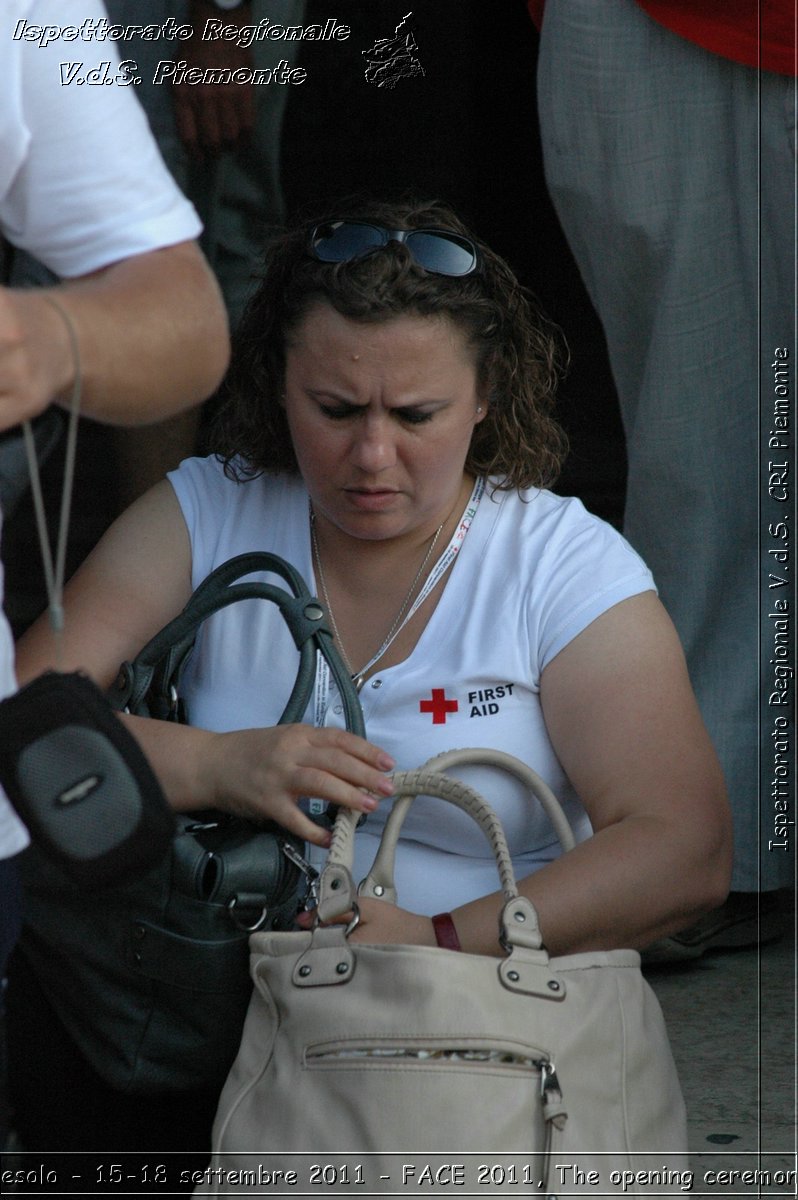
517,353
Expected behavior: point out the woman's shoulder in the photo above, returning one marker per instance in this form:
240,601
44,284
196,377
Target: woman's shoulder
569,565
549,518
552,539
228,512
233,482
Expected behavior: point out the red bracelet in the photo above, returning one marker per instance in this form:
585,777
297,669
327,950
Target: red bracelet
445,932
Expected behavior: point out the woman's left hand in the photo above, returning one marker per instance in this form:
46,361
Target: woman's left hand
382,923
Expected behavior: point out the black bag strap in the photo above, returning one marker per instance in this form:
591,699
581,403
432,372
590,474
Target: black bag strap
148,685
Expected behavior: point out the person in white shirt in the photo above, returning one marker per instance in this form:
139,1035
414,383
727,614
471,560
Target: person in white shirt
83,187
387,429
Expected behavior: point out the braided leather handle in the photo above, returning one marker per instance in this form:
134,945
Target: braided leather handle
487,757
380,880
336,888
336,885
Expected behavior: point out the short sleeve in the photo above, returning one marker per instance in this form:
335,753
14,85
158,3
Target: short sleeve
205,495
586,567
91,187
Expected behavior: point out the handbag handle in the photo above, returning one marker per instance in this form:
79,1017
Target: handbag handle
336,894
380,880
519,927
156,669
330,960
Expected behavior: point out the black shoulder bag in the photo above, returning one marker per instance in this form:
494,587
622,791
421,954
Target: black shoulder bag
151,978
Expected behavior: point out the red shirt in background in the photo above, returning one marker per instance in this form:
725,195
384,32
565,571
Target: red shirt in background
757,33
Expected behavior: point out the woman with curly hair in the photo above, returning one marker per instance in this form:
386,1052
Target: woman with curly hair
386,427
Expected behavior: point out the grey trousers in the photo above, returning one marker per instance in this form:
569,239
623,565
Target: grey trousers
672,171
239,194
239,197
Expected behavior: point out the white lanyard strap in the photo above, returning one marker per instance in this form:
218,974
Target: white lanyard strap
54,572
436,574
443,564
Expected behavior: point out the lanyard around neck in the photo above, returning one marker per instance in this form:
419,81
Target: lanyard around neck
433,579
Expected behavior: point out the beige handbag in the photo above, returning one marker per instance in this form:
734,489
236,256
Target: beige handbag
388,1068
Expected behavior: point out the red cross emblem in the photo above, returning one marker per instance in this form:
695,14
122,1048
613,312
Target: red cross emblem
439,706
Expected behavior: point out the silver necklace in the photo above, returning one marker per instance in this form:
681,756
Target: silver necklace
358,676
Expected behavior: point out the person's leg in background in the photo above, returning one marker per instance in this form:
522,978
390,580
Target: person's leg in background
651,147
143,456
238,192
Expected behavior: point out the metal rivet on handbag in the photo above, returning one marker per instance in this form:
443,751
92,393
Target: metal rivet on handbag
152,978
396,1054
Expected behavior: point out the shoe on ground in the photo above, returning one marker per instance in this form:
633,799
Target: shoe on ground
744,919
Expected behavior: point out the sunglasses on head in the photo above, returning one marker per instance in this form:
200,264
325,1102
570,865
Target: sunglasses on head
435,250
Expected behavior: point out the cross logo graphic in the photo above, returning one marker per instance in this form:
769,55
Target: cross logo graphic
439,706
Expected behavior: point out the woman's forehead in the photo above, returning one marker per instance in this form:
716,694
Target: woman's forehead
323,323
402,358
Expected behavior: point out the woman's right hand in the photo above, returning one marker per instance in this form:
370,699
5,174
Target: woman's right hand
263,773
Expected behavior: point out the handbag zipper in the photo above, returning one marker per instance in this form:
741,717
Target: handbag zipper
311,898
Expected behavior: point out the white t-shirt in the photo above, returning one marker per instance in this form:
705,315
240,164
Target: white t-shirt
82,182
532,573
82,185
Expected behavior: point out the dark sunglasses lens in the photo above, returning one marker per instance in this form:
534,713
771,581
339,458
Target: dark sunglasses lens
344,240
443,253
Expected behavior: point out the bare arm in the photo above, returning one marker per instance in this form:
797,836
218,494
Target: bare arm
624,722
151,331
213,117
136,580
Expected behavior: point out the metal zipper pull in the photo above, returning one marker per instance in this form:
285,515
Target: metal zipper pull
311,897
548,1079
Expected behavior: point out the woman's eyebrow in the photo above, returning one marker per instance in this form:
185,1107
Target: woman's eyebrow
322,394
